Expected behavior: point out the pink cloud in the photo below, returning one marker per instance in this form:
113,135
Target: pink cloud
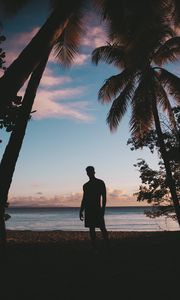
17,43
50,109
71,199
49,79
51,103
10,57
23,38
47,105
96,37
61,94
60,103
79,60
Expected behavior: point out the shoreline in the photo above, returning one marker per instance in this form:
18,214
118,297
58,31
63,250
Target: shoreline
60,236
78,207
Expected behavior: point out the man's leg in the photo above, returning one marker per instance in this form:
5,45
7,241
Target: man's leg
105,237
104,232
93,236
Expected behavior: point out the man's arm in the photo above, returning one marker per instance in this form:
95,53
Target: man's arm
103,198
81,217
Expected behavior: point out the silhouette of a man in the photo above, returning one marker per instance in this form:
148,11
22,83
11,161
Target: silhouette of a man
93,204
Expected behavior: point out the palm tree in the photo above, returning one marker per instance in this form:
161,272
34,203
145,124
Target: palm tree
143,84
10,156
66,49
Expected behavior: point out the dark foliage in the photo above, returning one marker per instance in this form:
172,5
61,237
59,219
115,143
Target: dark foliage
154,188
171,138
9,115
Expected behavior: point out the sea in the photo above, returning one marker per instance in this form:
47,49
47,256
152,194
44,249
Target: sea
67,219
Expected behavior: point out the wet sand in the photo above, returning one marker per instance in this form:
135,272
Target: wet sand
62,265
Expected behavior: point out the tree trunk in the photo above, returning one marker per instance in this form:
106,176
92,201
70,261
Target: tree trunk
10,156
19,71
2,227
164,154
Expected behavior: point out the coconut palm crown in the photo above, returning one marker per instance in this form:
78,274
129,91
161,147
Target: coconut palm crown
142,81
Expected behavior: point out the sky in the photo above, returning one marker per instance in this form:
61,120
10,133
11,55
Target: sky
68,131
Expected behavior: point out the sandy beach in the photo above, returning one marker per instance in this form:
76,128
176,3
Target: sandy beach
62,265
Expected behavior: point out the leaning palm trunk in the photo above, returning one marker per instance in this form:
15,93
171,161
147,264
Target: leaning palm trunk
8,162
19,71
169,177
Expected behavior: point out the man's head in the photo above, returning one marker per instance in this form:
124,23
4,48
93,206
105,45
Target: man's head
90,171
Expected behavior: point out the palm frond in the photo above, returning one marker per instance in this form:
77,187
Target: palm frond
168,52
161,95
67,46
119,106
139,51
163,101
171,83
110,54
134,17
142,118
176,14
114,85
157,35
